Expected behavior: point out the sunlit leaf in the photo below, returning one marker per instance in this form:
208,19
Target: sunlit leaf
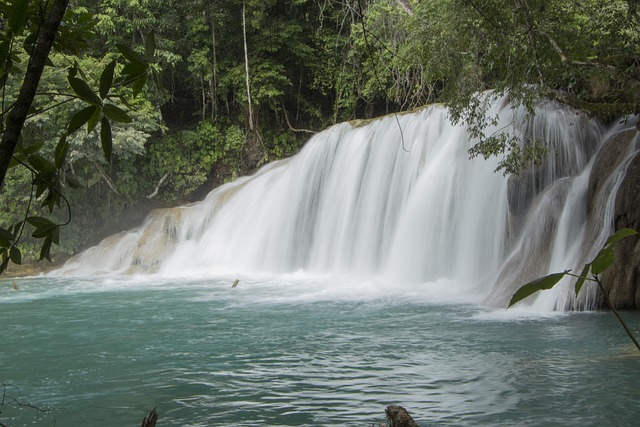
540,284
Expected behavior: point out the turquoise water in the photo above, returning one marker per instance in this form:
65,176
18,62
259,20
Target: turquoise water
293,351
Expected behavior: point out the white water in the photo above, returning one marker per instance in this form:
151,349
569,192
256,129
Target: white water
396,202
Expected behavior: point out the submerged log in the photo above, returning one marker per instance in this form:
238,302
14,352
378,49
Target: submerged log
151,419
397,416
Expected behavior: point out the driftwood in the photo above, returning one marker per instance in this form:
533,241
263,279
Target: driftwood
151,419
397,416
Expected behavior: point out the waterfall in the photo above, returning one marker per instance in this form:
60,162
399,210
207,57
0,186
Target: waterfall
397,199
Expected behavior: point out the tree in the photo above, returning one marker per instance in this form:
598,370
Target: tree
30,36
16,14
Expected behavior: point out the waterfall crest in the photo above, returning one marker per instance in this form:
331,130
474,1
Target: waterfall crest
397,199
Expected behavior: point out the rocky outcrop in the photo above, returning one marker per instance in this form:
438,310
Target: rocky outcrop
621,280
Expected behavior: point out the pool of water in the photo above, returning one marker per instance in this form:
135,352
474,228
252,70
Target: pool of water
292,351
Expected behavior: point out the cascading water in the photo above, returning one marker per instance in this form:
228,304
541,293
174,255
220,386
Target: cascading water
397,199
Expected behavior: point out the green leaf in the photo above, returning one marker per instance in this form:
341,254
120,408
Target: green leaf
130,54
93,121
15,255
83,91
106,79
43,226
38,221
5,264
134,70
62,148
116,114
33,147
106,139
6,237
582,278
41,232
138,85
540,284
619,235
73,182
46,249
80,118
17,15
603,260
41,164
150,46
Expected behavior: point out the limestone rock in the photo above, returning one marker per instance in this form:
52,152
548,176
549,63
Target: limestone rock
621,280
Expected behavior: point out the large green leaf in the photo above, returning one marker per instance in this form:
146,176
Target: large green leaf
130,54
540,284
116,114
138,84
41,164
134,70
619,235
93,121
38,221
603,260
15,255
83,91
106,79
46,249
80,118
583,277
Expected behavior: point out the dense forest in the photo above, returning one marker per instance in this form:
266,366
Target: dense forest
150,103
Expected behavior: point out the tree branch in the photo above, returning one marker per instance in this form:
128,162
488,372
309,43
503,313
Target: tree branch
286,117
155,192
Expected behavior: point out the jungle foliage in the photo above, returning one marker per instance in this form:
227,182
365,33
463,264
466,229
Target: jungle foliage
151,102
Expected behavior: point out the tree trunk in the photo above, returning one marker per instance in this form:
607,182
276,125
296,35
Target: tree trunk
20,110
246,64
213,84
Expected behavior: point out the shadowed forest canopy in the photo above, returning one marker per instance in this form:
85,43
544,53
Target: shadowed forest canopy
146,103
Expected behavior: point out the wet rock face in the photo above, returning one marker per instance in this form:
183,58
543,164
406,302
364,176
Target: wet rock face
621,280
609,157
623,276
